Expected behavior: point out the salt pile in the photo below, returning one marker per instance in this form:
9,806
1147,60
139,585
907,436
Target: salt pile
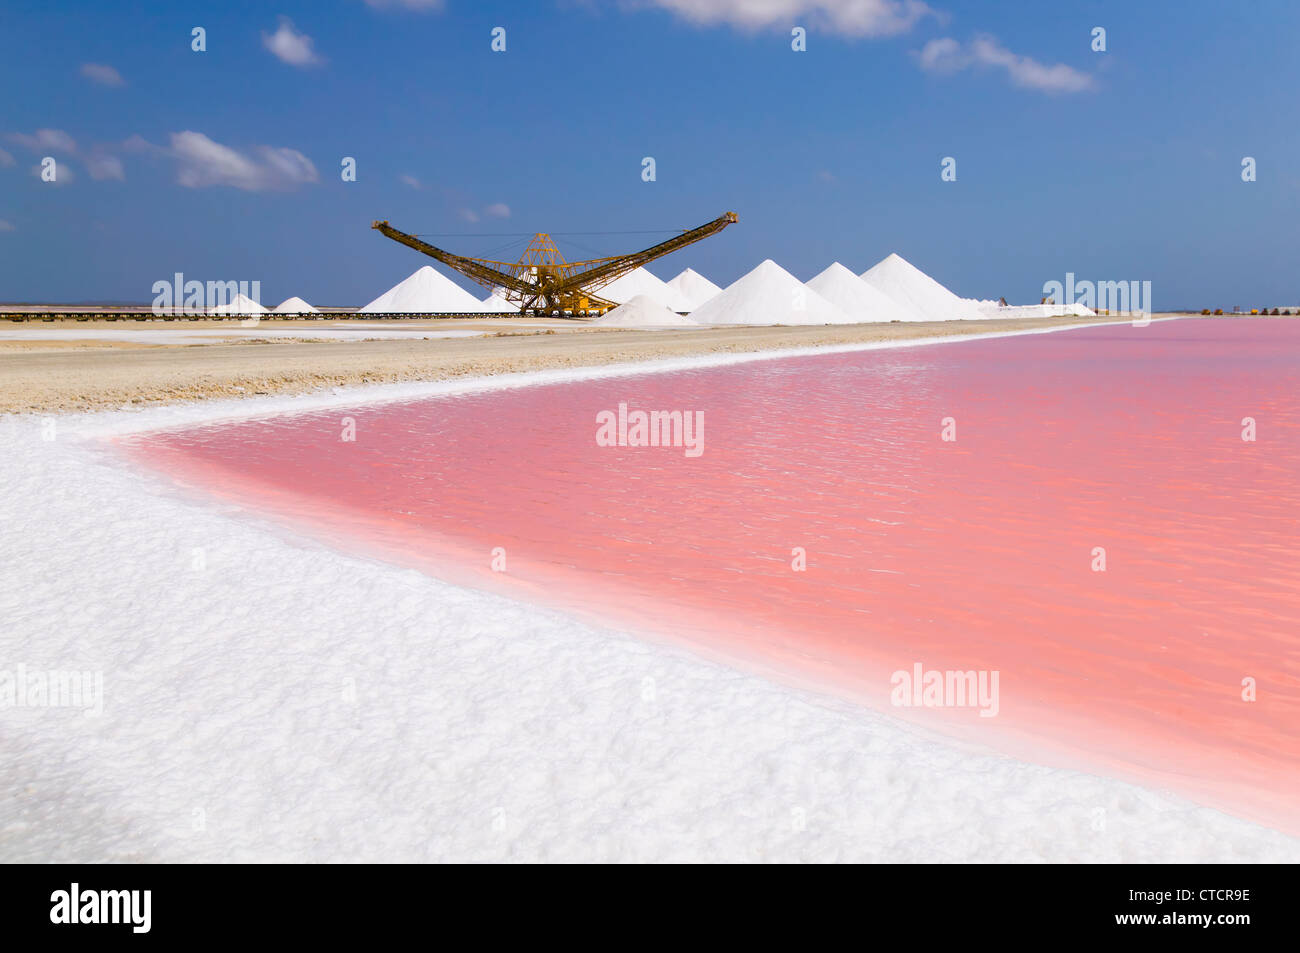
693,289
995,310
424,291
864,302
917,292
241,304
644,312
769,295
294,305
495,304
641,282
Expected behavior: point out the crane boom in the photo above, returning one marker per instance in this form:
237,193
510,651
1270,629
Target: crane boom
541,280
482,270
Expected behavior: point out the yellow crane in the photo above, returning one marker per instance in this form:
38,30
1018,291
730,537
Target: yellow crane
541,281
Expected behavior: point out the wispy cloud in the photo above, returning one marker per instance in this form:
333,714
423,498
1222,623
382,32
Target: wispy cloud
468,215
6,159
406,4
497,210
290,46
102,74
411,181
848,17
202,163
946,55
46,140
63,174
101,166
6,226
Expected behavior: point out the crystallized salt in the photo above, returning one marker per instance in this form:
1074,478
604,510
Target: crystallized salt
770,295
495,304
242,304
994,310
644,312
295,305
693,289
639,281
862,301
426,291
918,292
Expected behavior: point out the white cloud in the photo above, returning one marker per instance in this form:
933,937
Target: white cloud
6,226
291,46
946,55
101,166
104,75
63,173
412,181
497,210
138,143
203,163
468,215
46,140
99,162
406,4
849,17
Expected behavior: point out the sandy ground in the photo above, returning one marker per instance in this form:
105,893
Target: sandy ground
66,371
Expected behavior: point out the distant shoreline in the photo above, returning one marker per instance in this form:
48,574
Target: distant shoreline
75,374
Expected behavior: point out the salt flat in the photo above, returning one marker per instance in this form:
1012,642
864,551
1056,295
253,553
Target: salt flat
402,718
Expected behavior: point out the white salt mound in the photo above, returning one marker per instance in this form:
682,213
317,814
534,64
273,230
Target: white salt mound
862,301
917,292
769,295
242,304
295,305
693,289
644,312
994,310
425,291
495,304
639,281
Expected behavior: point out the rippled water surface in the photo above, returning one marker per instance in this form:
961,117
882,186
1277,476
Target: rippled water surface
971,554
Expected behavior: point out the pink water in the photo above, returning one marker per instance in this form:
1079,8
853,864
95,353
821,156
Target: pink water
975,554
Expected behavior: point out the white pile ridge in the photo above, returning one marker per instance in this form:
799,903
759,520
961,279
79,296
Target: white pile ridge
294,305
769,295
639,281
992,309
644,312
238,691
918,292
427,290
864,302
241,304
495,304
693,289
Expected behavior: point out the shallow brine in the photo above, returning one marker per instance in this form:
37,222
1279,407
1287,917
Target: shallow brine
1081,547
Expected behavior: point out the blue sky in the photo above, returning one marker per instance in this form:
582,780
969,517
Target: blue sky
225,164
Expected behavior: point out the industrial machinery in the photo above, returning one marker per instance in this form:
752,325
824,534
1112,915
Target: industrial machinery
542,282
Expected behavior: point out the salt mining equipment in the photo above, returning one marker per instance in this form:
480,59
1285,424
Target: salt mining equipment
541,282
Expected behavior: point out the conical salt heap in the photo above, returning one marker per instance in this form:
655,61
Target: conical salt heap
864,302
918,292
769,295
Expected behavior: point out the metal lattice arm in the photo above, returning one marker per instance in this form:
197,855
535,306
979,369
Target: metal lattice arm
603,271
480,269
